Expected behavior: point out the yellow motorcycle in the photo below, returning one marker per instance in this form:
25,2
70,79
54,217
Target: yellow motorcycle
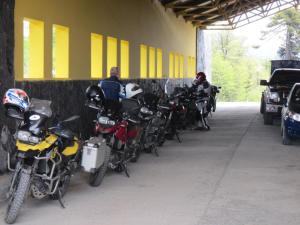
45,157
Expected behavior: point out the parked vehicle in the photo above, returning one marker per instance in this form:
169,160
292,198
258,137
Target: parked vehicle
277,88
213,98
202,102
120,130
290,122
45,157
153,121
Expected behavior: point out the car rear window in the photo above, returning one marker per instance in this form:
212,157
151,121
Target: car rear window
285,77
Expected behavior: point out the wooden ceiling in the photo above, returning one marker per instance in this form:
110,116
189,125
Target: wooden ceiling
226,14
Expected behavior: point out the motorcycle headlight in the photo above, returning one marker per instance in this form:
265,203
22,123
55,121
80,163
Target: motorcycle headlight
106,121
294,116
23,135
26,136
145,110
34,140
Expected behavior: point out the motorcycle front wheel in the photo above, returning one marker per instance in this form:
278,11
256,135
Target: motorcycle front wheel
18,196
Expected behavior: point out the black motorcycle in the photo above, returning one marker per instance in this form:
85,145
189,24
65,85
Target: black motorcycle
46,157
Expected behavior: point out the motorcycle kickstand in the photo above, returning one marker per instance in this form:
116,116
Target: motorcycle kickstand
177,136
156,152
60,200
205,124
125,169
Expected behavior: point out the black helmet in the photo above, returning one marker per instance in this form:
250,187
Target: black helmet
95,94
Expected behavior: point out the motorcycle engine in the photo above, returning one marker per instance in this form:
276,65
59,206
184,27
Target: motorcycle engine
38,189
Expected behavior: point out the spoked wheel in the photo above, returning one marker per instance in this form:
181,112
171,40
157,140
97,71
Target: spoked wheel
96,178
18,196
137,154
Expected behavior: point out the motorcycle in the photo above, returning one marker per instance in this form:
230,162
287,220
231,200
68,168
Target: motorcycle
120,131
201,100
153,122
213,97
45,158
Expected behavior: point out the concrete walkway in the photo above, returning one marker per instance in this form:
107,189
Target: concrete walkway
236,174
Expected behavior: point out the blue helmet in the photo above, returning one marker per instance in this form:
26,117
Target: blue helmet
16,98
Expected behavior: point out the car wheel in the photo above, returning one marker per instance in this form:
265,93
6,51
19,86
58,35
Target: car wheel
268,119
286,140
262,105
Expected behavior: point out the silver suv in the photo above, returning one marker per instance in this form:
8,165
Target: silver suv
276,92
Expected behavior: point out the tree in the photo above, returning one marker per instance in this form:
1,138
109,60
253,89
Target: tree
234,70
287,23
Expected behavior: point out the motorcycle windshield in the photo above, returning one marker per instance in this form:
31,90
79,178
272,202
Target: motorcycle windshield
170,86
175,88
42,107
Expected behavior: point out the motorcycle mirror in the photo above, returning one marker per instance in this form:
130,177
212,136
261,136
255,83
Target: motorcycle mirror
263,83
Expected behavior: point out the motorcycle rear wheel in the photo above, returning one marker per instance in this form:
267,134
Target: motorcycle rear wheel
18,197
96,178
137,156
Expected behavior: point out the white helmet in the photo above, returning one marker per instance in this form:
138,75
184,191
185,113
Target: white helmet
132,90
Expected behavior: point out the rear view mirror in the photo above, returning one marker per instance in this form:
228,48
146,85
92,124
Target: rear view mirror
263,83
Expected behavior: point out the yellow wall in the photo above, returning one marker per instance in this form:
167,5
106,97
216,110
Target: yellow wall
112,54
96,55
159,64
35,53
152,62
60,52
143,61
137,21
125,54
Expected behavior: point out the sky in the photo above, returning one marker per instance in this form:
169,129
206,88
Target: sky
252,33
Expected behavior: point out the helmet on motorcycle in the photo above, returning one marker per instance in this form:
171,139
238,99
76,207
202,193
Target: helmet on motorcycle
200,77
95,94
132,90
16,102
16,97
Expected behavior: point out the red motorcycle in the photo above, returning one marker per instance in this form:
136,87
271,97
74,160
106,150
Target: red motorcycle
121,131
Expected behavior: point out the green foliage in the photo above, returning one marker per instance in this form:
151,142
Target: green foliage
237,73
288,23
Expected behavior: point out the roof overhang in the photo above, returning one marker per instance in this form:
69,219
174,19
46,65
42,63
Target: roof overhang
226,14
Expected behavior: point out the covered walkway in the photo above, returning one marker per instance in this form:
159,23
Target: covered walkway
239,173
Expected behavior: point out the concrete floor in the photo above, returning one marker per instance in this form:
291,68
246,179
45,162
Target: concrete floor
239,173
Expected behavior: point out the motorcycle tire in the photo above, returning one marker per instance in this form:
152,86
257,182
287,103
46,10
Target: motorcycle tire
137,156
96,178
18,197
148,150
161,141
